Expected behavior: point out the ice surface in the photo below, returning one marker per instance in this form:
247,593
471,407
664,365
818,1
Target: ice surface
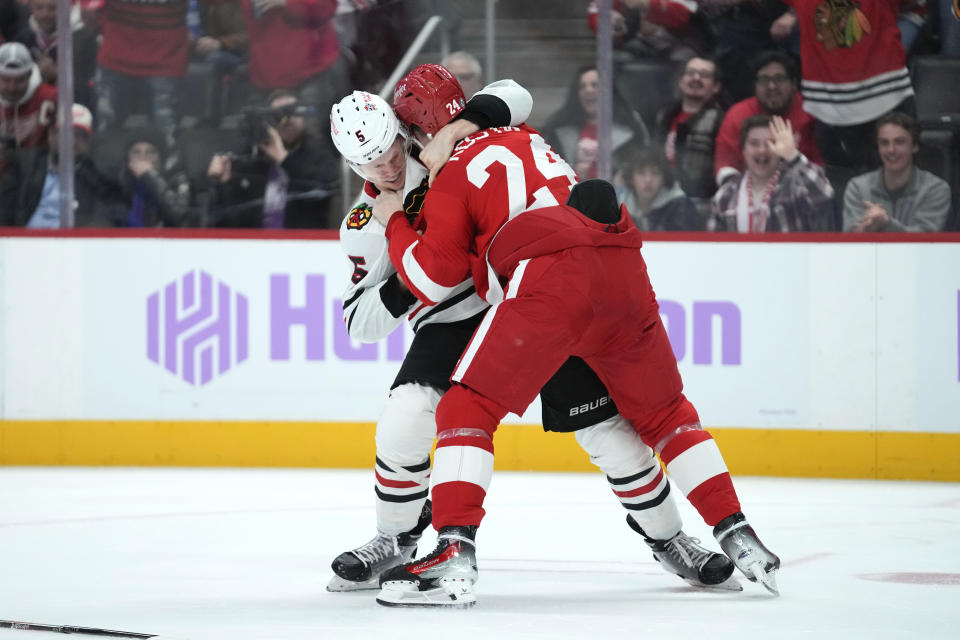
244,554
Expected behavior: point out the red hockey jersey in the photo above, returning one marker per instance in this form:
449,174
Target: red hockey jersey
26,122
854,65
143,38
292,43
501,189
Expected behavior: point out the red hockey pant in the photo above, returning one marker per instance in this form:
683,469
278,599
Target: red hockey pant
596,303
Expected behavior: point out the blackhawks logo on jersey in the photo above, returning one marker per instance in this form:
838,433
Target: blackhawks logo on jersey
840,23
359,216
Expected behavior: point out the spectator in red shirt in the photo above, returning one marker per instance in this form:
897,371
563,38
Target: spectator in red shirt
27,105
854,60
776,95
294,46
144,49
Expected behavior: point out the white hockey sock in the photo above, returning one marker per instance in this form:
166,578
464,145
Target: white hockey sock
634,475
401,492
647,498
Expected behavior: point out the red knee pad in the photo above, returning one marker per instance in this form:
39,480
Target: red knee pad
668,422
462,407
681,412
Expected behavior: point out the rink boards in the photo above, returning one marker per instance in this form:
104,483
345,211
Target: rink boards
834,359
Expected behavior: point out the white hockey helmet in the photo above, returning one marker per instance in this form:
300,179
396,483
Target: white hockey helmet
364,127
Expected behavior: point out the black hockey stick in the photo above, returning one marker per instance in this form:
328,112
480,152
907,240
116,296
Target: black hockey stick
90,631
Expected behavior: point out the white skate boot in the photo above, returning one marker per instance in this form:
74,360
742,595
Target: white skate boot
683,556
740,542
360,568
445,578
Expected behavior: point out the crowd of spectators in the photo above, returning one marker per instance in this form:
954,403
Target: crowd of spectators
835,74
213,112
136,150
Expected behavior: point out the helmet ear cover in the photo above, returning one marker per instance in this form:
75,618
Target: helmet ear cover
428,97
364,127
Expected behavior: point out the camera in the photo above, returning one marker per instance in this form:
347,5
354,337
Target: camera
256,120
246,155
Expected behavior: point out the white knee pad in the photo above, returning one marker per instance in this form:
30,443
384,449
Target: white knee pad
407,426
615,447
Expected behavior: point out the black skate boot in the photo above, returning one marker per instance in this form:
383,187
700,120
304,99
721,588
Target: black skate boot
361,568
445,578
739,541
683,556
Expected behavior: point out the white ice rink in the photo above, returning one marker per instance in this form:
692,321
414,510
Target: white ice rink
237,554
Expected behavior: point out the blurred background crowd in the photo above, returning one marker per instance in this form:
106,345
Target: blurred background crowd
728,115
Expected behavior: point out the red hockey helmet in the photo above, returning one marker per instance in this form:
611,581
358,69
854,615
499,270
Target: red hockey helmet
428,97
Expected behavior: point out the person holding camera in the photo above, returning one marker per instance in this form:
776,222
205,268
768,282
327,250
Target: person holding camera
287,180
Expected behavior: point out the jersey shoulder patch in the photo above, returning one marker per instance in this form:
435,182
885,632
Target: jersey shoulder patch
359,216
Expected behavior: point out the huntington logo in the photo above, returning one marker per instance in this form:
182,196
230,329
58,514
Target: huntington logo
194,326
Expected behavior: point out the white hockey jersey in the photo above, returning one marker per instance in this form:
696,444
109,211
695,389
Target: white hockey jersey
372,304
372,299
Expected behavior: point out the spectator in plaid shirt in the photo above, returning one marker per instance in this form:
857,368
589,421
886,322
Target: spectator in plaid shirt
780,190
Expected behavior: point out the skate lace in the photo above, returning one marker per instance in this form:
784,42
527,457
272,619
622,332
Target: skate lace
688,550
379,548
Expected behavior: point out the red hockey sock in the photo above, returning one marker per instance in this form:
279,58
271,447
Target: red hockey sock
463,463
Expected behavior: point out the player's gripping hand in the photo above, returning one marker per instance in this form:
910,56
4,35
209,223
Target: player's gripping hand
438,149
386,204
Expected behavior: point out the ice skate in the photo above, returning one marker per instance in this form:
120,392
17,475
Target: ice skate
739,541
683,556
361,568
445,578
